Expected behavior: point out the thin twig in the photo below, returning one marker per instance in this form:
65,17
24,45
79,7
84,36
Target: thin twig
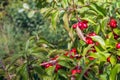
51,61
54,61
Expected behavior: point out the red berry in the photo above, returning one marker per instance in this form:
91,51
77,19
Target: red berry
73,50
89,40
92,34
85,21
108,59
83,24
74,71
86,73
48,65
113,23
78,70
78,57
72,53
66,54
54,58
57,67
97,43
91,58
118,45
115,36
74,26
93,50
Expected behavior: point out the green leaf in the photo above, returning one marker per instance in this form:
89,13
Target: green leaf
64,63
103,77
39,70
114,71
31,14
86,49
102,56
98,9
100,40
64,3
25,6
22,71
116,31
13,59
103,24
54,19
50,70
39,49
97,29
89,20
113,60
62,73
85,69
66,21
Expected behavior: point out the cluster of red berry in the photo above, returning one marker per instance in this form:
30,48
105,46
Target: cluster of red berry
113,24
84,25
88,40
52,63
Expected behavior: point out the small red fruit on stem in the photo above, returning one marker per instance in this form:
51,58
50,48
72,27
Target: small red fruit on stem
76,71
108,59
115,36
92,34
57,67
48,65
71,53
112,23
91,58
89,40
73,50
118,45
74,26
83,24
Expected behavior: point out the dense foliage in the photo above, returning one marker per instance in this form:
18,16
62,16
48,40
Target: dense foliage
60,40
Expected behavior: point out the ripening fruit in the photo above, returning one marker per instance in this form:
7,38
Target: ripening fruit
91,58
73,50
75,71
89,40
71,53
108,59
54,58
118,45
48,65
92,34
97,43
57,67
83,24
74,26
115,36
112,23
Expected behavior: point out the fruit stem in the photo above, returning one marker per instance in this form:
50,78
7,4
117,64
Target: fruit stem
54,61
51,61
